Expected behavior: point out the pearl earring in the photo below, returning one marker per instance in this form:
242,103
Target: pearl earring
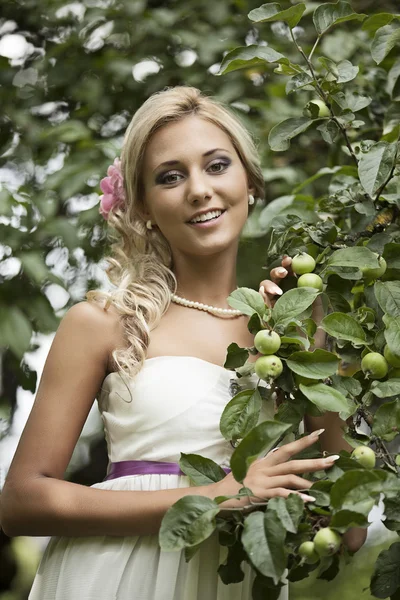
149,225
251,199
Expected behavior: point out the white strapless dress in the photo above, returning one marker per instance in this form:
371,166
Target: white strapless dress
173,405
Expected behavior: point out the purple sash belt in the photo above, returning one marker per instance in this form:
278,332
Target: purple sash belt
144,467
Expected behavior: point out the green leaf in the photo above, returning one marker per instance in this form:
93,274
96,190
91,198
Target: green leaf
259,441
343,71
343,327
236,356
347,385
386,389
392,255
387,294
288,510
354,256
279,137
249,56
387,420
384,41
357,490
292,303
263,538
375,165
248,301
15,330
392,333
344,169
263,587
326,398
241,414
299,340
201,470
34,266
318,364
346,71
231,571
327,15
386,578
329,131
337,301
351,101
71,130
377,21
344,519
188,522
392,512
273,12
393,85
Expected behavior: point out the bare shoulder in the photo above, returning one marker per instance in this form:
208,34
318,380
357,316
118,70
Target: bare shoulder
72,377
92,318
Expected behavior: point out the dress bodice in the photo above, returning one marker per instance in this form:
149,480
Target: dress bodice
172,405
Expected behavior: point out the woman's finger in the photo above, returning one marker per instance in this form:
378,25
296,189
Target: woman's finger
287,263
284,493
304,465
289,481
269,288
286,451
283,270
278,273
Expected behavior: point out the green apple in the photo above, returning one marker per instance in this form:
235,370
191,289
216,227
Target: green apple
327,541
267,341
393,359
307,551
370,274
310,280
323,109
374,365
365,456
303,263
394,374
268,367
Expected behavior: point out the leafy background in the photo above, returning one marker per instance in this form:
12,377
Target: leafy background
72,75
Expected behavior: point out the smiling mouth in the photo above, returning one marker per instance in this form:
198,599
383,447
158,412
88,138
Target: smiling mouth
208,220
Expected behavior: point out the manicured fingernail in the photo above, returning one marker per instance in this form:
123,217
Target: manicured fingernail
317,433
262,290
308,498
278,291
282,271
332,458
274,450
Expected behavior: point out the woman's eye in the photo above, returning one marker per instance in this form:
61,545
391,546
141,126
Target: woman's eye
221,165
167,178
170,178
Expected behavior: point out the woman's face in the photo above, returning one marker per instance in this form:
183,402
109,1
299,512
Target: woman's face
204,172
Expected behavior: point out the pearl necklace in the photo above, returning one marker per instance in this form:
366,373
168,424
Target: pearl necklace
228,312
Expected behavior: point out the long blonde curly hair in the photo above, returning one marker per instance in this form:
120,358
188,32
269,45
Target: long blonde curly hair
141,263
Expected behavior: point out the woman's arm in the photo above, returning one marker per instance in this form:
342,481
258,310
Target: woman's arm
35,500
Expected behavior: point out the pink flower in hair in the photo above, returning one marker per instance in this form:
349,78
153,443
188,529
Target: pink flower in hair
113,188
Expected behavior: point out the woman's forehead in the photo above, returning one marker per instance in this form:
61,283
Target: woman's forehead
189,136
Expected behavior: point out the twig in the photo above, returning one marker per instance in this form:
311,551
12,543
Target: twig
384,184
325,97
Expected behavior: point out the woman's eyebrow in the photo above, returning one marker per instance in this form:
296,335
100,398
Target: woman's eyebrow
169,163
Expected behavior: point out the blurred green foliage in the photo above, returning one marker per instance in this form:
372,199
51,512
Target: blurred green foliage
71,76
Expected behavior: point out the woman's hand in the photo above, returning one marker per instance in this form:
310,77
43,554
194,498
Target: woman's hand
275,475
269,288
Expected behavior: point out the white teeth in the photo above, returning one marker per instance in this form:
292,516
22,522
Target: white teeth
207,216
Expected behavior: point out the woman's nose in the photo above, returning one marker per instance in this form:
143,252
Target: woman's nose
198,186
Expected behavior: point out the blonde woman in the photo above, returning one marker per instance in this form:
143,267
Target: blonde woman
154,359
